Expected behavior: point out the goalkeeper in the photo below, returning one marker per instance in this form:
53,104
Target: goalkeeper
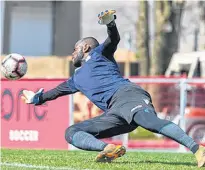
126,105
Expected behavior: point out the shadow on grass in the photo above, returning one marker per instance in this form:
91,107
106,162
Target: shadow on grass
157,162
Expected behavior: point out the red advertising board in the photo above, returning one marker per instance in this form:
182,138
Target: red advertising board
28,126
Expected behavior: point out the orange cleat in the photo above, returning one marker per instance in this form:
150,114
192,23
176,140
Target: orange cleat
110,153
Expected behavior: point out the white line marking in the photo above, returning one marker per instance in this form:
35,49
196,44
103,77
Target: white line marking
38,167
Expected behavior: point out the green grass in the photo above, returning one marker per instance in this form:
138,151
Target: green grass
141,133
81,160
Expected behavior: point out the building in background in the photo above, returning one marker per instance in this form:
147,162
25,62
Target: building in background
41,28
47,28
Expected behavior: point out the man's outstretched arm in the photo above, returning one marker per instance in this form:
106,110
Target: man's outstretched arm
110,45
61,90
39,97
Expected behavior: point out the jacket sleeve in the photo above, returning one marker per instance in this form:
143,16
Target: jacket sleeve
110,44
65,88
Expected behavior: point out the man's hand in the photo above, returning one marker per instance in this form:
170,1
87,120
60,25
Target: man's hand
106,17
29,97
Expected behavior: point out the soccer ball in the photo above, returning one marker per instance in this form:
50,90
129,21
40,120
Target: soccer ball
14,66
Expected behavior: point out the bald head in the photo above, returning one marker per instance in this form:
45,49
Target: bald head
92,42
82,49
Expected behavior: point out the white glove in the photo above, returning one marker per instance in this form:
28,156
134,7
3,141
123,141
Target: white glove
29,97
106,17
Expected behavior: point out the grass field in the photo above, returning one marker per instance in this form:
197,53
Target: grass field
81,160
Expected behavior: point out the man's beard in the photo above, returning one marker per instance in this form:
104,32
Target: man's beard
79,59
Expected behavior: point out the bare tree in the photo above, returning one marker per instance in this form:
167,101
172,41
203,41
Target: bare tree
168,18
143,38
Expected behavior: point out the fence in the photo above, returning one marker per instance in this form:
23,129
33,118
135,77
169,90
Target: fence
179,100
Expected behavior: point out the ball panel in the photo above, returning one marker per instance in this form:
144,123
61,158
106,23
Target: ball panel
9,75
5,59
17,57
10,65
13,76
22,68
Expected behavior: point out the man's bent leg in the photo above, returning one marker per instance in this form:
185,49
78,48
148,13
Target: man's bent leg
83,140
85,135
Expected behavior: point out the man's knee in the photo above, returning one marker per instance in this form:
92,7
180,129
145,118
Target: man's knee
70,131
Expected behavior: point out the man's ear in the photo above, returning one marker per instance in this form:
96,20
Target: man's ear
86,48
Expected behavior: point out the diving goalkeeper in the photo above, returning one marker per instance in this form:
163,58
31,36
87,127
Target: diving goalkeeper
126,105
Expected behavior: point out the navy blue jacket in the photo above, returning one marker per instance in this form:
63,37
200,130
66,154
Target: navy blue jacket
98,78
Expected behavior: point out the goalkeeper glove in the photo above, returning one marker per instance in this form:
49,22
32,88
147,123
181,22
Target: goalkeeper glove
29,97
106,17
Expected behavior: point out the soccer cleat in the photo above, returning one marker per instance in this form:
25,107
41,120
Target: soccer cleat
200,156
110,153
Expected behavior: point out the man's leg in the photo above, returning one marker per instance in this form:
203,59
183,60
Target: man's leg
85,135
147,119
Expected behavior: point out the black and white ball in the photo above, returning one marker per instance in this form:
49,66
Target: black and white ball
14,66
